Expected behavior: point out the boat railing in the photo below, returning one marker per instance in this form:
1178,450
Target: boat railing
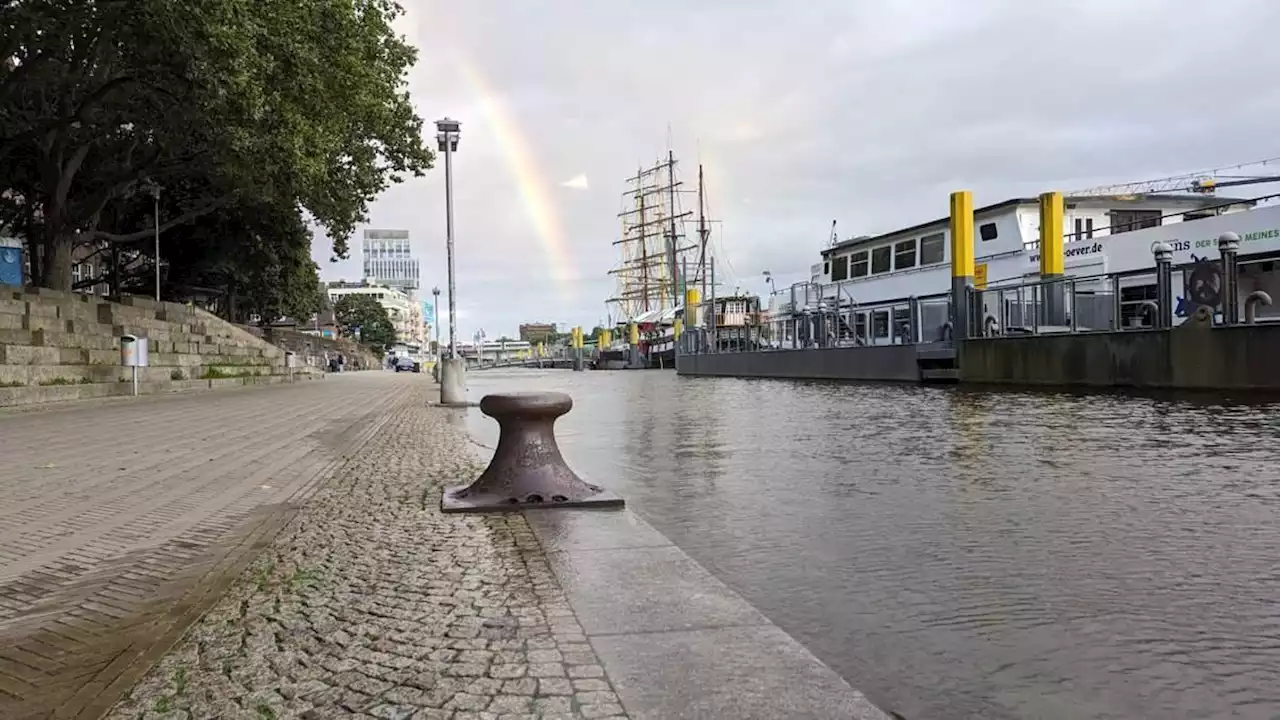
1115,302
833,318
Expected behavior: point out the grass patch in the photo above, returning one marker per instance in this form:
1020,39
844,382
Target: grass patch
304,578
264,711
12,384
179,681
263,578
218,372
176,374
66,381
163,704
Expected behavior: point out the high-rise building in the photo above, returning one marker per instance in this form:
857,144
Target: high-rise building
388,259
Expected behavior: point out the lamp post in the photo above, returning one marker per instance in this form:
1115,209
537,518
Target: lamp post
435,319
453,384
447,135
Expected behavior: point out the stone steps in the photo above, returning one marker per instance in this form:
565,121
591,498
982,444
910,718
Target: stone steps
63,345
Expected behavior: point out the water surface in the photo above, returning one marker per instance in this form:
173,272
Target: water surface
964,554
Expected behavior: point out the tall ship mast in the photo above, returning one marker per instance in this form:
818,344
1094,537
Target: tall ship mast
659,261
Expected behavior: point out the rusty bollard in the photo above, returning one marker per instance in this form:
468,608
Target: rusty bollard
527,470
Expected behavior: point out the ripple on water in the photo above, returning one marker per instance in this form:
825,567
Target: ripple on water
962,554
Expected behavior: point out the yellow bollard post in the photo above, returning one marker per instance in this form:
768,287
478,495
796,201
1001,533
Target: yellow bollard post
692,299
961,262
633,333
1052,259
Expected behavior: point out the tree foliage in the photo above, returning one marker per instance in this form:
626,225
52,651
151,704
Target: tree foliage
363,313
226,105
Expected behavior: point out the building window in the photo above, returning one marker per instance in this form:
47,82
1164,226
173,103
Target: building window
881,259
858,264
931,249
880,323
840,268
987,231
1126,220
1084,229
904,255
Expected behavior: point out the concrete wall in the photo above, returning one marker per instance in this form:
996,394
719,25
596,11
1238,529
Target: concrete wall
1190,356
311,349
890,362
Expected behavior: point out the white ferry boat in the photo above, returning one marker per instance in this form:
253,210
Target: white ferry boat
872,281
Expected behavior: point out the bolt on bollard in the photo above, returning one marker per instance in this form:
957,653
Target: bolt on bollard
527,470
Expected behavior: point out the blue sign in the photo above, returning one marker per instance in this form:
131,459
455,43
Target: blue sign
428,313
10,266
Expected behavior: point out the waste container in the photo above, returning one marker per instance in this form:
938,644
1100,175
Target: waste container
133,355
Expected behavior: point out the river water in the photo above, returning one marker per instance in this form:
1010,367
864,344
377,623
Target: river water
964,554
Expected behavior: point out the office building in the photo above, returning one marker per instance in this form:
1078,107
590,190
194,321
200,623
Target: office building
388,259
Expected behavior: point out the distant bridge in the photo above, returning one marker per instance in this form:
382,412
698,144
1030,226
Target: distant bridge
549,363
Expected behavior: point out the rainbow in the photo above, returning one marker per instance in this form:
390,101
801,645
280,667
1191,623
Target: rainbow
533,185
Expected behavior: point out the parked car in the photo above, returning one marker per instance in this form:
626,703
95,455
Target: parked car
408,364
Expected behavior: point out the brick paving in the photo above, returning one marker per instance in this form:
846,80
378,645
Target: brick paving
373,604
121,522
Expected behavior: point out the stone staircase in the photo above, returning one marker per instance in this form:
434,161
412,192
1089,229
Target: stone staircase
58,346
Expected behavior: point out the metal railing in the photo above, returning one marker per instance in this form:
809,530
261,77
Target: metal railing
828,317
1159,297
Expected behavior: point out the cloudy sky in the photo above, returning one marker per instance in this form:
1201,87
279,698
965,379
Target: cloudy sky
865,112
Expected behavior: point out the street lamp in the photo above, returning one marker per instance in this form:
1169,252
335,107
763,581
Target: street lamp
453,384
435,319
447,134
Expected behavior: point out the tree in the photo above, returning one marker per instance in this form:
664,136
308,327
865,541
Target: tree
298,103
257,254
362,312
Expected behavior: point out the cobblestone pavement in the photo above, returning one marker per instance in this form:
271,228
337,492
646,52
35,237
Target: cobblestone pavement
120,522
371,603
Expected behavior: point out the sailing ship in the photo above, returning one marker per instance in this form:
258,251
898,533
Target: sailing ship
659,262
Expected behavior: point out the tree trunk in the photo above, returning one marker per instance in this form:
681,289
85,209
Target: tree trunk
55,262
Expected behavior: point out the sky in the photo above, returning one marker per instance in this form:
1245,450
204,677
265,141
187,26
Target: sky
801,113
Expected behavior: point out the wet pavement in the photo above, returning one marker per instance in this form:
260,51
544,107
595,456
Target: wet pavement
963,554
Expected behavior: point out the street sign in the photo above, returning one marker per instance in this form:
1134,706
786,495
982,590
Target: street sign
980,276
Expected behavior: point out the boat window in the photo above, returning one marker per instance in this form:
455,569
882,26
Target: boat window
1084,230
901,323
881,259
826,268
840,268
880,323
904,255
987,231
931,249
1134,312
858,264
1126,220
860,325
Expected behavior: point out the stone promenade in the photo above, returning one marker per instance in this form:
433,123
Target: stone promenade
121,521
279,552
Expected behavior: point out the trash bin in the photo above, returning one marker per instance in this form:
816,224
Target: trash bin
133,355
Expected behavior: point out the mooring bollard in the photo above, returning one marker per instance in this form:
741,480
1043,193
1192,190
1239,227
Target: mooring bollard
527,469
